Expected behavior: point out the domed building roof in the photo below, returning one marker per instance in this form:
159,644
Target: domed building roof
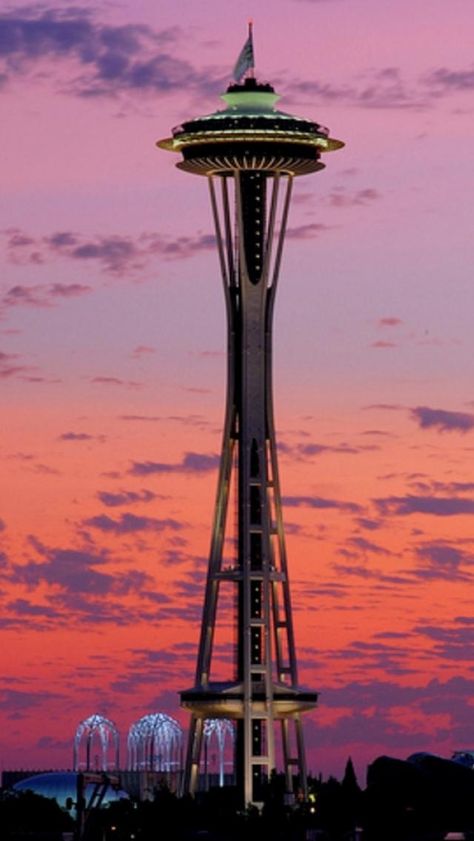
61,785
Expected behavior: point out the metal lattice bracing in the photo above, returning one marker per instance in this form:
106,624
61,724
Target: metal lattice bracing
155,744
250,153
100,732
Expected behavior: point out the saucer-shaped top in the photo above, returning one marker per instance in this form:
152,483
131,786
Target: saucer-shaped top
249,121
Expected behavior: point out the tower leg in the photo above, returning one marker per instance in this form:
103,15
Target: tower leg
303,779
193,756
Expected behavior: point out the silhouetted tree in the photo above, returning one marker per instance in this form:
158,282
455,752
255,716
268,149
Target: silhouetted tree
26,812
352,794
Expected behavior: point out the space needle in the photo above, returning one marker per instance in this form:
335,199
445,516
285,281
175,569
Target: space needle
250,152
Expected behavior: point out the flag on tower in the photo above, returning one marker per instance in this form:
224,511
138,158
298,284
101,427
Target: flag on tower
246,59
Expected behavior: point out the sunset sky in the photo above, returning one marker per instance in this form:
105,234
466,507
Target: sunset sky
112,366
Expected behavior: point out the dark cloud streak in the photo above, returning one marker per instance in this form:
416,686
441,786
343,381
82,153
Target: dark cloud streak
41,295
191,463
319,502
115,500
442,420
131,58
438,506
114,254
129,523
443,80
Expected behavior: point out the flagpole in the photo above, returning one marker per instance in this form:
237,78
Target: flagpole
252,68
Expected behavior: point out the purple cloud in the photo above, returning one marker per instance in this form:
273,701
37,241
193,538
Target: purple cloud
444,487
442,554
388,407
376,724
102,380
367,523
132,58
11,369
319,503
171,557
189,420
367,546
191,463
384,88
308,231
77,436
368,574
67,290
38,379
182,246
46,470
444,80
442,560
98,610
115,254
130,524
442,420
145,418
438,506
435,697
341,198
25,608
319,449
115,500
40,295
71,569
76,583
15,700
49,743
32,296
451,643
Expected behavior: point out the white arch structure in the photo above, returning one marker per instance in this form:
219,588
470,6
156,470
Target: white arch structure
155,743
221,729
102,730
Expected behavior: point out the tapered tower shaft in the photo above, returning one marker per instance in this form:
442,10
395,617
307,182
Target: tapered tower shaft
250,154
